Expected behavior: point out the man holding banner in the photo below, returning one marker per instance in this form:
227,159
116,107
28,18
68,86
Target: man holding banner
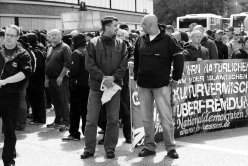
154,53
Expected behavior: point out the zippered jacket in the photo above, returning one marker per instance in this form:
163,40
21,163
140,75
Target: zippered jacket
153,60
20,61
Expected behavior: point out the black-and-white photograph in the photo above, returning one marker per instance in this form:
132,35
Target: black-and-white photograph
124,82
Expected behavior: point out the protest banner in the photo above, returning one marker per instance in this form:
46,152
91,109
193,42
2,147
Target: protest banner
211,95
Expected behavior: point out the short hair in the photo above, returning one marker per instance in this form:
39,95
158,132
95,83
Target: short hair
15,27
245,39
107,20
124,26
195,32
2,32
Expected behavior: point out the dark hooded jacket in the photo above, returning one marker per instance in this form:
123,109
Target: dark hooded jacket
191,53
210,45
240,54
153,60
78,74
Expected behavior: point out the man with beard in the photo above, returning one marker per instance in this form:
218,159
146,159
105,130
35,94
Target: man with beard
106,60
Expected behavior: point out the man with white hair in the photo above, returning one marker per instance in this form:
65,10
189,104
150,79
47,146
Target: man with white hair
57,65
193,51
208,43
154,53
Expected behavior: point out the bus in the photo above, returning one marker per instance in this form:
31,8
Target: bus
237,21
225,23
207,20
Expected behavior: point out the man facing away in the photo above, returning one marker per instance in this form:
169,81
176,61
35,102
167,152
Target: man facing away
154,53
15,68
106,59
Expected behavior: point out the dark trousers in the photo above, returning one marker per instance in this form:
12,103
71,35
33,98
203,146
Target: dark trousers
9,105
48,98
22,112
60,99
36,97
78,108
102,119
125,112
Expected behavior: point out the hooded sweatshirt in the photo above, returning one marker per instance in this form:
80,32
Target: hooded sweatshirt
210,45
191,53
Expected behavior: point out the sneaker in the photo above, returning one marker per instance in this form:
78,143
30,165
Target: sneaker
101,141
86,155
110,155
101,132
19,128
30,116
63,128
36,122
173,154
70,138
145,152
53,125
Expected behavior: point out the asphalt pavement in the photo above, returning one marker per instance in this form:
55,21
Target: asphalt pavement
40,146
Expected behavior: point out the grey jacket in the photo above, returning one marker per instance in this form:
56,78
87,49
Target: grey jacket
105,60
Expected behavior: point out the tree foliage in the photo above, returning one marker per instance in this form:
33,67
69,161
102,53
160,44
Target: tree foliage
168,10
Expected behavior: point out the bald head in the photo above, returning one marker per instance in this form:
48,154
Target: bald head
54,36
199,28
150,24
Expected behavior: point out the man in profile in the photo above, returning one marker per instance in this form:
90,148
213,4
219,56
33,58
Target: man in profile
15,68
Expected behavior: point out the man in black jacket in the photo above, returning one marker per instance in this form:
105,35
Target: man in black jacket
222,48
15,68
154,53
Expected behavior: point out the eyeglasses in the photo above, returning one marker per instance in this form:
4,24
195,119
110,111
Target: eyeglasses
9,35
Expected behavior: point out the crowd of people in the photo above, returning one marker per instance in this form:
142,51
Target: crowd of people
70,73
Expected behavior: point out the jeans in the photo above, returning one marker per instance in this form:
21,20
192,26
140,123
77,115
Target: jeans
162,100
60,99
9,105
79,100
112,128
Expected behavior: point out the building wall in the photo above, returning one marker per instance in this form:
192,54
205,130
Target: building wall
46,14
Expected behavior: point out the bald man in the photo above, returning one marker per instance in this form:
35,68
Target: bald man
57,65
154,53
193,51
207,43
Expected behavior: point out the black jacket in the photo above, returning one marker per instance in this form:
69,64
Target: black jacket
20,61
240,54
222,50
78,74
191,53
153,60
210,45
